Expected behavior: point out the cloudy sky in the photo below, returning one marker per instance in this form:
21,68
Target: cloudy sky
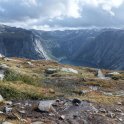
62,14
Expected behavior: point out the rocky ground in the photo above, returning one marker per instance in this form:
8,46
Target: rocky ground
46,92
61,111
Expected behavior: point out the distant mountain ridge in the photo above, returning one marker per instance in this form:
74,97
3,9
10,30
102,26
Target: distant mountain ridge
101,48
17,42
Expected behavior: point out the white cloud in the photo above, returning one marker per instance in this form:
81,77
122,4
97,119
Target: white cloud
61,13
106,5
74,9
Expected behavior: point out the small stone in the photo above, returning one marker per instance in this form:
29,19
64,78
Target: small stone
22,112
57,100
7,109
111,115
119,103
94,110
28,120
51,91
122,114
24,121
118,110
120,119
30,63
4,66
8,102
102,110
26,104
62,117
51,114
2,75
22,107
1,112
50,71
18,66
76,102
75,116
17,104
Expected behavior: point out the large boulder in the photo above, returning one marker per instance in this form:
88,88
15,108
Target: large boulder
1,98
3,66
46,106
69,70
2,75
50,71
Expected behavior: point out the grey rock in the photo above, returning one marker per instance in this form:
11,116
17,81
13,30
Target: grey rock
119,103
1,98
22,112
2,75
7,109
76,102
111,114
1,112
120,119
46,106
62,117
50,71
118,110
8,102
102,110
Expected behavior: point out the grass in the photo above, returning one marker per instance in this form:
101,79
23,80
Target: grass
27,82
19,90
100,83
99,98
13,76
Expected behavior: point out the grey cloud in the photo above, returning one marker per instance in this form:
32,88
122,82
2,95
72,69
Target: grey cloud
53,13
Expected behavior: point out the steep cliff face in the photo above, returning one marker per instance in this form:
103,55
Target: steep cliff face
64,45
89,47
16,42
101,48
106,51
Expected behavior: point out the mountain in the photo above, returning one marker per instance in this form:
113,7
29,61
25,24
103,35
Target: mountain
106,50
101,48
17,42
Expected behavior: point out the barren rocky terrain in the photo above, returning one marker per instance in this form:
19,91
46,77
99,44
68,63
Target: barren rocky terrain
46,92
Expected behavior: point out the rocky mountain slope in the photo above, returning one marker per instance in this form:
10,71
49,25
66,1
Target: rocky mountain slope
101,48
89,47
16,42
46,92
105,51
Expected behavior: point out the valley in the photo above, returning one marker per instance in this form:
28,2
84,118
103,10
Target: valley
99,48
